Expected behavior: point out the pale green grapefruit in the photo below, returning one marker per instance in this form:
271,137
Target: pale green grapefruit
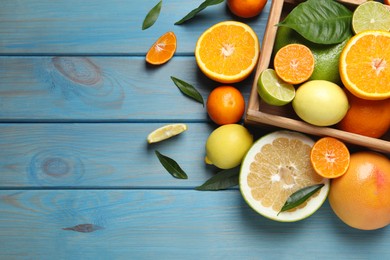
276,166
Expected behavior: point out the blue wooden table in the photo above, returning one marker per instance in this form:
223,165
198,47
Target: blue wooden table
77,177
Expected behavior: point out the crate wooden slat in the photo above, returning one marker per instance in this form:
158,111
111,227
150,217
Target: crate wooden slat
261,114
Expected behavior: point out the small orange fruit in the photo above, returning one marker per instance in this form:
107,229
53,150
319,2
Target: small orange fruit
366,117
330,157
294,63
227,52
361,197
162,50
365,65
225,105
246,8
386,2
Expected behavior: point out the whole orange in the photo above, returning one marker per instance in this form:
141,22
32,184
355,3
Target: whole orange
366,117
225,105
386,2
246,8
361,197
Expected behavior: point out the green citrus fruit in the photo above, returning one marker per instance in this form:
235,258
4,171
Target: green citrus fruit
276,166
320,102
326,56
273,90
371,15
227,145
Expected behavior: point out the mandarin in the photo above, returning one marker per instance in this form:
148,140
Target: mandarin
225,105
366,117
361,197
246,8
162,50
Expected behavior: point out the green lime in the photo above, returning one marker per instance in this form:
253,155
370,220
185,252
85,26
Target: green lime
371,16
326,56
273,90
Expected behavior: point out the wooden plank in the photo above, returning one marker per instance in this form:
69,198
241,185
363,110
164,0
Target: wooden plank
100,88
103,27
166,224
99,156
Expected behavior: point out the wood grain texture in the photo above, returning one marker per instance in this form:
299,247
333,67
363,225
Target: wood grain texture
101,88
170,224
101,27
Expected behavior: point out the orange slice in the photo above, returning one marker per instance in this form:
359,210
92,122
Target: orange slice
365,65
294,63
330,157
162,50
227,52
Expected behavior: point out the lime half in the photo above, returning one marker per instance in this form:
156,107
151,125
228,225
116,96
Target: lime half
166,132
276,166
273,90
371,15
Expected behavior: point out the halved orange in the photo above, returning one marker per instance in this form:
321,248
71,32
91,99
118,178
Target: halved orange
294,63
228,51
365,65
330,157
162,50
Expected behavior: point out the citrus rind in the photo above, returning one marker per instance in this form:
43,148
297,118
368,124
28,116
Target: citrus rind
312,204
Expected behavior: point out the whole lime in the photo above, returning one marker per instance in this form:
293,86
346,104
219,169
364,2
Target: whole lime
227,145
326,56
320,102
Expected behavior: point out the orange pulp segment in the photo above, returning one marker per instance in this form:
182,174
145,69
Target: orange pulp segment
294,63
227,52
330,157
365,65
162,50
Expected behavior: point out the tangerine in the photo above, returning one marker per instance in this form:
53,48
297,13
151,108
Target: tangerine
162,50
294,63
225,105
246,8
366,117
361,197
330,157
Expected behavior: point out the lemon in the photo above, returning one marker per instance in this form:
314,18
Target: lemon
165,132
276,166
273,90
320,102
326,56
371,15
227,145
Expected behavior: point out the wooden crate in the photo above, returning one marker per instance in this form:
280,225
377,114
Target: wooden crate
274,117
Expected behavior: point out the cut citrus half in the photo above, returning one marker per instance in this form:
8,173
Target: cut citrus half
166,132
371,15
273,90
162,50
330,157
276,166
294,63
365,65
227,52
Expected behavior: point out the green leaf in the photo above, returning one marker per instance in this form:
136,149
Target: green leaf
152,16
324,22
188,90
222,180
300,196
171,166
194,12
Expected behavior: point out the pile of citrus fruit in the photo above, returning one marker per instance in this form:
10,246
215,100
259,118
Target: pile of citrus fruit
285,175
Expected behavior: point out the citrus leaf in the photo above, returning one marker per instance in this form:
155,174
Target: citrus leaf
324,22
188,89
171,166
300,196
221,181
194,12
152,16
